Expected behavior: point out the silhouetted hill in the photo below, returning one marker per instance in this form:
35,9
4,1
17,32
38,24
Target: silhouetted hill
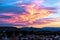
51,28
6,28
30,28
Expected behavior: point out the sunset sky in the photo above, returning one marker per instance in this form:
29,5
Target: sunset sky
30,13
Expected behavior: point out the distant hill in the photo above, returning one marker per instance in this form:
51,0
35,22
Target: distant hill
30,28
6,28
42,29
51,28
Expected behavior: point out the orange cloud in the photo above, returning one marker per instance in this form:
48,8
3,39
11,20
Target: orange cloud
31,17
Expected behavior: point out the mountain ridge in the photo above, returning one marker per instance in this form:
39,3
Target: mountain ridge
31,28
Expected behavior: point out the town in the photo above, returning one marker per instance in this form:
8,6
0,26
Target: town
12,33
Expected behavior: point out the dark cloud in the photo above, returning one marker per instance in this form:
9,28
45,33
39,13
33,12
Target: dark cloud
13,9
5,24
5,17
9,24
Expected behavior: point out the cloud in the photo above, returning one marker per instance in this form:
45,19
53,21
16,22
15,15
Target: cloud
17,15
13,9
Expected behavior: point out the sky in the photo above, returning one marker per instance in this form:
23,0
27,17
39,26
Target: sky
28,13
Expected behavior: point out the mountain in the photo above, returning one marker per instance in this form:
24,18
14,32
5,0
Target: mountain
51,28
7,28
41,29
29,28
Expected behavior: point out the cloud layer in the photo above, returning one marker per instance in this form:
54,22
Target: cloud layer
28,13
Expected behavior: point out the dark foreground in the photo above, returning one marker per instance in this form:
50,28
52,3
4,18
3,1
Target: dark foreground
12,33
